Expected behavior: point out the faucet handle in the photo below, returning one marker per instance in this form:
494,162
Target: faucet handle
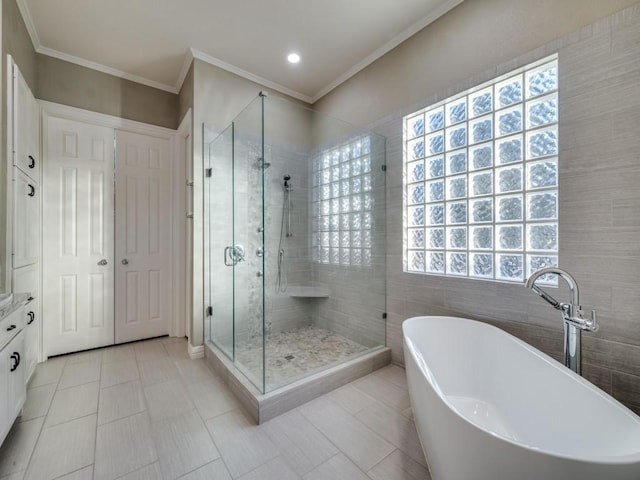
593,324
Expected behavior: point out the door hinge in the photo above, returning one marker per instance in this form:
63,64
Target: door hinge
384,168
209,311
384,315
208,172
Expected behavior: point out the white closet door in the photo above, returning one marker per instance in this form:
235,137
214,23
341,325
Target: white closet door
78,236
143,237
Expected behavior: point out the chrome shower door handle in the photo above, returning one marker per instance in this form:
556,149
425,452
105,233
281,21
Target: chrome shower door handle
233,255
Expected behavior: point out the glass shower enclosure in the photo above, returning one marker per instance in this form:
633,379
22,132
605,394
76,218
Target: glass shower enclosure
294,242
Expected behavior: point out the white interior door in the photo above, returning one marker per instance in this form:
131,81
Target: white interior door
143,237
78,243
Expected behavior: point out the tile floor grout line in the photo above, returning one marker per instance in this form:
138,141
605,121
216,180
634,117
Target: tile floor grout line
44,420
396,449
184,381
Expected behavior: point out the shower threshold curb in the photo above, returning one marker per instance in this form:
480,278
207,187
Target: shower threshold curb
265,406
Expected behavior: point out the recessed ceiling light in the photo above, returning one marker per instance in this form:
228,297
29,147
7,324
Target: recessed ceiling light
293,58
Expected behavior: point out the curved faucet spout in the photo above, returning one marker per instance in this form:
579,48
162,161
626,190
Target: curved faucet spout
545,296
572,317
574,291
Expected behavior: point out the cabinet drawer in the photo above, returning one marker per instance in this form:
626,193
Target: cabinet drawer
10,326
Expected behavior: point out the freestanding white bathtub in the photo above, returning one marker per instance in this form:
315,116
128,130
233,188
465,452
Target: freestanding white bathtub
488,406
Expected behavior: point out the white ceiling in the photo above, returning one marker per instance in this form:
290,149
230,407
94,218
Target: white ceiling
153,41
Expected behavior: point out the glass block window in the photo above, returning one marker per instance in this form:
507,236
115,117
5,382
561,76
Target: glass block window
342,215
481,179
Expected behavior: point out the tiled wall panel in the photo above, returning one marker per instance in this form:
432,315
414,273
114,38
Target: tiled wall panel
599,162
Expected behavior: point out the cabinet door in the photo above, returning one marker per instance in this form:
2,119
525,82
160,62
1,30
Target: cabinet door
26,124
26,219
25,280
5,420
17,385
31,338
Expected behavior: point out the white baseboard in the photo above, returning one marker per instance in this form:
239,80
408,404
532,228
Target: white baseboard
195,352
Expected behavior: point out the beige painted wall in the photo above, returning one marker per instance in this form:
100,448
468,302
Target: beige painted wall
70,84
599,166
185,96
473,37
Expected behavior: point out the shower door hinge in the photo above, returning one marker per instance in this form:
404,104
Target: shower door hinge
209,311
384,168
384,315
208,172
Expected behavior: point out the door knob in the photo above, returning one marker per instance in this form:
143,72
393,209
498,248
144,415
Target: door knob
102,262
125,261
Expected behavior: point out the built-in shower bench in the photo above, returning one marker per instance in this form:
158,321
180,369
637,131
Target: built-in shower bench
296,291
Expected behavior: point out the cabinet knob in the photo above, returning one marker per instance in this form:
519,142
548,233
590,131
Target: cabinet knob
32,317
125,261
32,162
32,191
11,327
16,357
102,262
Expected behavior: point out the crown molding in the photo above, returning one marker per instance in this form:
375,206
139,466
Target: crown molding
194,53
108,70
28,22
184,71
249,76
387,47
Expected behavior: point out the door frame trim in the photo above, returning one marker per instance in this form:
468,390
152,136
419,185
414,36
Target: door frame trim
184,263
178,186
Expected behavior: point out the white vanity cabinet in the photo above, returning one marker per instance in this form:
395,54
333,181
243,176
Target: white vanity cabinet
23,135
13,389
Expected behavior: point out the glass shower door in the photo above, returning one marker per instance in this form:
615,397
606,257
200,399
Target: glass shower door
249,165
218,237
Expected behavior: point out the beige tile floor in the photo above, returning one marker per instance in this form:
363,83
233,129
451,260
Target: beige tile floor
147,411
